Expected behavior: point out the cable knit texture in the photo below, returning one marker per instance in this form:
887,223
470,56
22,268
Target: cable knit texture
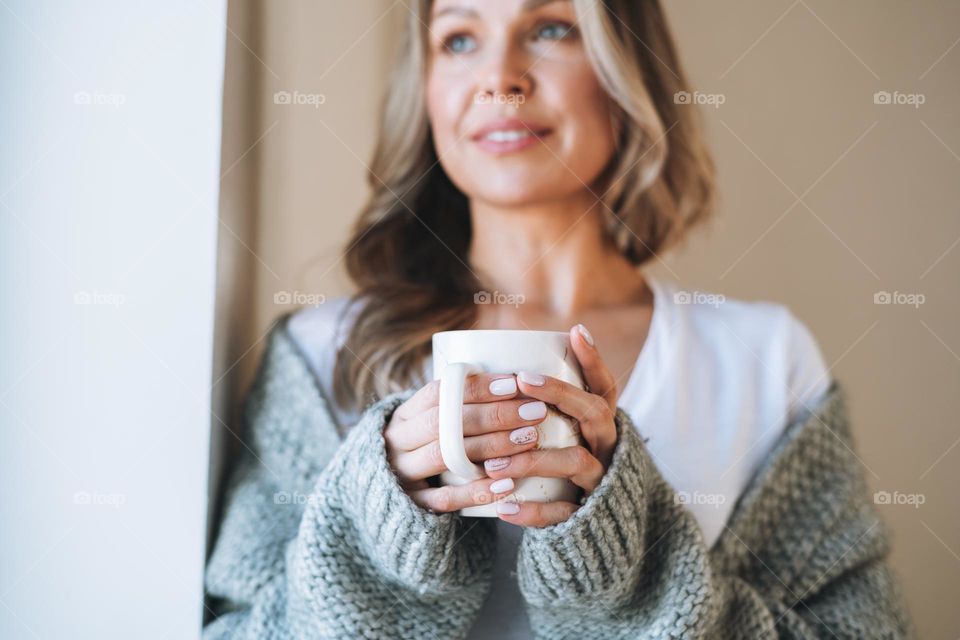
318,539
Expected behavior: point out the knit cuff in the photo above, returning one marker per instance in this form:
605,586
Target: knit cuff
424,551
596,552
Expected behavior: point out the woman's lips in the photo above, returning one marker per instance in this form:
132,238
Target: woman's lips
509,135
511,144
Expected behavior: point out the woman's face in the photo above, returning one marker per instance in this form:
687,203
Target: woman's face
518,115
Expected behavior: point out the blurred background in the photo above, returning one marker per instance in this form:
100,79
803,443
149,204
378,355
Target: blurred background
174,177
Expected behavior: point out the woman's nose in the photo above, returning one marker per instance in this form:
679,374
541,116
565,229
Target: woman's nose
505,73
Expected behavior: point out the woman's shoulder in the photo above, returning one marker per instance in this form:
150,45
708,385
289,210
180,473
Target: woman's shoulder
320,330
762,338
750,322
709,311
319,324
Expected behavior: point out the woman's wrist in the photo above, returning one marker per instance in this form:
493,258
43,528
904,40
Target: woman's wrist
604,538
419,549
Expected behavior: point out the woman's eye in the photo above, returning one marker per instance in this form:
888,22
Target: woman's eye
554,31
459,43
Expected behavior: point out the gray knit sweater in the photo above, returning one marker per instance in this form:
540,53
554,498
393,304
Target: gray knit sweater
318,540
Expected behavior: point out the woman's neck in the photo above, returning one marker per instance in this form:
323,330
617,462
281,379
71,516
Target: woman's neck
554,257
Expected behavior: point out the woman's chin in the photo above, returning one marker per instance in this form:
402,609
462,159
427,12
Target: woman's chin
515,189
512,199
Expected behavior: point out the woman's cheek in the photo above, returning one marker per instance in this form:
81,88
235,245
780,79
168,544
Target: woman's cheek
588,111
444,111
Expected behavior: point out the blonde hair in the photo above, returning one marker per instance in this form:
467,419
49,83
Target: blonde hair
407,245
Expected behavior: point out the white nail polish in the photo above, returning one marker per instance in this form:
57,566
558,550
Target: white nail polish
502,485
508,508
503,386
586,334
532,410
535,379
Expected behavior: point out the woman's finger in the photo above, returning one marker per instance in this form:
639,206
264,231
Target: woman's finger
478,418
598,377
426,461
480,387
535,514
593,412
575,463
452,498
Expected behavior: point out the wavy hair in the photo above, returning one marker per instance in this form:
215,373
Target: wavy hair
407,249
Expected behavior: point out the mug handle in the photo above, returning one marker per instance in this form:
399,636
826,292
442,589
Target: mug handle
452,380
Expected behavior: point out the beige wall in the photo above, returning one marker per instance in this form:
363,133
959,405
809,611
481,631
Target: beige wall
879,188
294,173
827,199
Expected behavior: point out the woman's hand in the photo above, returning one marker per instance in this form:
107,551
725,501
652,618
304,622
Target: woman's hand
584,466
495,423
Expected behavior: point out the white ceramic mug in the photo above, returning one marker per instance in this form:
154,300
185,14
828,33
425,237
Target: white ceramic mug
457,354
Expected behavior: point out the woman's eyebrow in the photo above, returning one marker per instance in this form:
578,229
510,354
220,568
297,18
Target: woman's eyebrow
460,11
529,5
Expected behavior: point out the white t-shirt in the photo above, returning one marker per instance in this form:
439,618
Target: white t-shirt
715,384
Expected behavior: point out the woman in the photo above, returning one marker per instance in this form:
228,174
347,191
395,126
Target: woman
537,153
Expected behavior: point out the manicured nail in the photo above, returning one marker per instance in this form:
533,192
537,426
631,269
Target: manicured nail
502,485
495,464
535,379
503,386
586,334
508,508
532,410
523,435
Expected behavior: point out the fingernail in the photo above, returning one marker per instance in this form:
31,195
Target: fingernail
586,334
495,464
523,435
535,379
508,508
502,485
532,410
503,386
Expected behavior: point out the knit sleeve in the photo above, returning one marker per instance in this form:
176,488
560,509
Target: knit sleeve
319,540
803,556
